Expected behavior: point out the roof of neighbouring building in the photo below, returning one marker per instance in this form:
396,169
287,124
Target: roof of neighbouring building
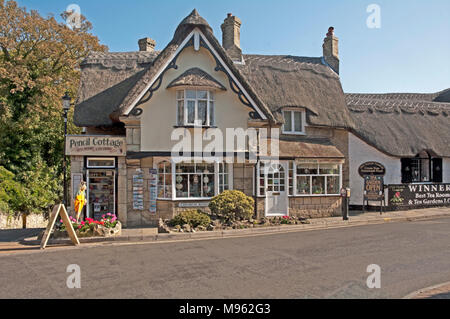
292,81
110,82
403,124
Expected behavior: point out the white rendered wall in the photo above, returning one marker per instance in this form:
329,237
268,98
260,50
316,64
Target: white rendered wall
446,170
361,152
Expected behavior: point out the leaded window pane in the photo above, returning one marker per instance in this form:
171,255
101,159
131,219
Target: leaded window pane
298,121
191,112
202,114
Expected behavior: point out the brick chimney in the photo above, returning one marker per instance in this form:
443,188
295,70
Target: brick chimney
231,37
147,44
331,50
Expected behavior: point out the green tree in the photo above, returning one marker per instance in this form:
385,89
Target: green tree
39,62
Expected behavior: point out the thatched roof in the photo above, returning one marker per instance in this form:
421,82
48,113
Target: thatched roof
312,148
292,81
196,77
403,124
111,82
105,80
194,20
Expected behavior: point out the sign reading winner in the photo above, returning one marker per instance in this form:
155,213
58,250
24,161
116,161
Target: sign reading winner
95,145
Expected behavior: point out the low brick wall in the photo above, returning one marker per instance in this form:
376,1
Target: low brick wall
17,222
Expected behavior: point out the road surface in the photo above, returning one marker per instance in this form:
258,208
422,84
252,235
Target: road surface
316,264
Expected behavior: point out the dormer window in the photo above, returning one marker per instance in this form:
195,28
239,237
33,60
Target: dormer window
294,121
195,108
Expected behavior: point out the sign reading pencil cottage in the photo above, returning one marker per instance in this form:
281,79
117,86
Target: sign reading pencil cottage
95,145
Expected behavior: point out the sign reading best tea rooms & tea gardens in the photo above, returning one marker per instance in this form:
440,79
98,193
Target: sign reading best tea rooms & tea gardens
419,195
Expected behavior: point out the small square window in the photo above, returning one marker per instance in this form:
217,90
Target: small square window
294,122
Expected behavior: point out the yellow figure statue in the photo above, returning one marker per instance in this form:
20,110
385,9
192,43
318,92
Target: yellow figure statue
80,200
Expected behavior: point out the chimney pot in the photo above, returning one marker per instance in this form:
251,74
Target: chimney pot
147,45
331,50
231,37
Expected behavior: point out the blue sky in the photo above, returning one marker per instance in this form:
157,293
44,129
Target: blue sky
409,53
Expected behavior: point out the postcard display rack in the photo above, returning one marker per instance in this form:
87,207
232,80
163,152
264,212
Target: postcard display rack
138,190
101,193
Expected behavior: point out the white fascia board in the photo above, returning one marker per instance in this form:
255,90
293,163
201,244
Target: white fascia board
150,84
247,96
180,48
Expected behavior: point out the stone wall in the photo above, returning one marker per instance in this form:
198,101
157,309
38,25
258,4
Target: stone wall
308,207
17,222
243,175
315,207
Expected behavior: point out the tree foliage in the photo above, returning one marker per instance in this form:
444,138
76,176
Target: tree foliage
39,62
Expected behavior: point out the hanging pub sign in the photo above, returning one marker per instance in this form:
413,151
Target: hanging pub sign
372,168
418,195
85,145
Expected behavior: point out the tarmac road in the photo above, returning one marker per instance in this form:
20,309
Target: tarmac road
317,264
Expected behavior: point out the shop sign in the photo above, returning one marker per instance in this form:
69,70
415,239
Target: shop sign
193,205
372,168
373,188
84,145
418,195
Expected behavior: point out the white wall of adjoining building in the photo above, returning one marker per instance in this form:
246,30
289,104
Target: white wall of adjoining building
446,170
360,152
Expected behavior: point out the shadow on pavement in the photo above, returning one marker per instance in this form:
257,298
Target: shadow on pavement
17,235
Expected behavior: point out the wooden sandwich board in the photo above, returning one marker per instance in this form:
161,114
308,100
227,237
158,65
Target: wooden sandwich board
59,210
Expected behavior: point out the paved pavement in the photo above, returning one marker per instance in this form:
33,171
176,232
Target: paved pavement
318,264
151,234
436,292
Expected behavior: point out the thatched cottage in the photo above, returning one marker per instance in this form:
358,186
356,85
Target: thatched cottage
409,134
136,106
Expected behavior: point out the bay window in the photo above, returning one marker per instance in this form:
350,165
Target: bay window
192,180
195,108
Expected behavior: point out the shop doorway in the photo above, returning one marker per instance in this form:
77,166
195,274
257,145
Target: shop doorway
101,188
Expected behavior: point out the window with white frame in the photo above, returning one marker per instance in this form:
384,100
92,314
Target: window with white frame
224,177
195,107
272,178
318,179
305,179
195,180
165,180
294,121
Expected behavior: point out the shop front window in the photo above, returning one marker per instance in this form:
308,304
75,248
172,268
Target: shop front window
165,180
318,179
224,178
195,180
